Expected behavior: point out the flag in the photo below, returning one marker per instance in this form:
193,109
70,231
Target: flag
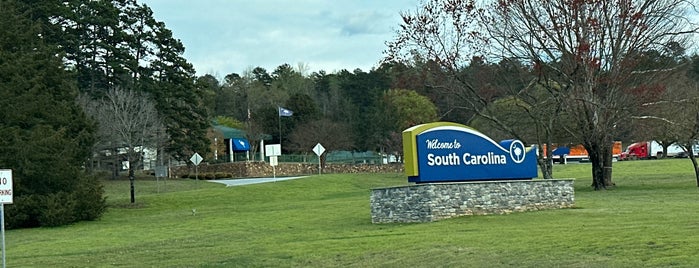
285,112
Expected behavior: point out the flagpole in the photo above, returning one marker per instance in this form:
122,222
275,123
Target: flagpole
279,115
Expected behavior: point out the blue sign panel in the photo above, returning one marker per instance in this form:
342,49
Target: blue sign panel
240,144
455,152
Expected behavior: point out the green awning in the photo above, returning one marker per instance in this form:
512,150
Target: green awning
234,133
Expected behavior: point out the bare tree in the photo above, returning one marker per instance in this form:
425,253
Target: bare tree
591,49
444,33
333,136
128,121
675,114
584,52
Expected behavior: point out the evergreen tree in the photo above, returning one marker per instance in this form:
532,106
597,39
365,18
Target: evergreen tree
178,99
45,136
118,44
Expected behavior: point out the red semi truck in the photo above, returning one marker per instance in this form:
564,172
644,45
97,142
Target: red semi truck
649,150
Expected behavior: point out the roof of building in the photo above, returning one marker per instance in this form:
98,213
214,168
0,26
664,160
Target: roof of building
234,133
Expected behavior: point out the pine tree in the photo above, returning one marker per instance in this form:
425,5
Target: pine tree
45,137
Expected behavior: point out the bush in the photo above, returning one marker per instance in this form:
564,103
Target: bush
23,212
86,202
91,202
222,175
56,209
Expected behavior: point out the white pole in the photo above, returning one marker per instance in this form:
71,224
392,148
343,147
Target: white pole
2,222
262,150
230,150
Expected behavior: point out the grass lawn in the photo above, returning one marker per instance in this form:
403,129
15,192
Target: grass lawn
650,219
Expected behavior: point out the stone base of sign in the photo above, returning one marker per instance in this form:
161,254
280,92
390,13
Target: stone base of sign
436,201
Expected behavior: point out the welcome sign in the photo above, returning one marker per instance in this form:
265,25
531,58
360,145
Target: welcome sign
445,151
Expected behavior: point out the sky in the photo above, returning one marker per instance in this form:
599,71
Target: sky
231,36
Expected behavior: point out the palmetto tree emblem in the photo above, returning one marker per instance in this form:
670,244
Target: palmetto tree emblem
517,151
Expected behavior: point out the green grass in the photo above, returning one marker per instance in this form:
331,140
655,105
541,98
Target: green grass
648,220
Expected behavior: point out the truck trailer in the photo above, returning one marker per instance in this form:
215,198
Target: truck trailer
650,150
577,152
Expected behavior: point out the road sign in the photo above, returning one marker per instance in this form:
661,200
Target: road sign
196,159
5,198
319,149
273,150
6,186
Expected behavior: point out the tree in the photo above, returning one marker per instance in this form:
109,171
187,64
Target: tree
328,94
332,135
127,120
676,111
118,43
178,99
363,92
407,108
591,49
304,107
210,88
44,135
400,109
583,51
463,84
286,79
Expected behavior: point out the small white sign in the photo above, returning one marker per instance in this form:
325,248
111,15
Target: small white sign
273,161
273,150
319,149
6,186
196,159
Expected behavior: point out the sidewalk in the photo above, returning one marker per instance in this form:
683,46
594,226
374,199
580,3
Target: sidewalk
239,182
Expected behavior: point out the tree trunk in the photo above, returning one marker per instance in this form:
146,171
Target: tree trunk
690,152
597,159
117,164
546,163
608,157
132,178
600,153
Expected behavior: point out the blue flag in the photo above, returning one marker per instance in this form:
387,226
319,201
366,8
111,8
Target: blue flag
285,112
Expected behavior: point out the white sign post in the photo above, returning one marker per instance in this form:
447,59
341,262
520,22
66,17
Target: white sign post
273,162
273,151
319,150
5,198
196,159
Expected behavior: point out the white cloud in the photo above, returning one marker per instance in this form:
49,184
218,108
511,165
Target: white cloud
231,36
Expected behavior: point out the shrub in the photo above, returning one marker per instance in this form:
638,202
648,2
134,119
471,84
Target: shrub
90,201
222,175
86,202
56,209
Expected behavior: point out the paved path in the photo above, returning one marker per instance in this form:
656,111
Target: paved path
238,182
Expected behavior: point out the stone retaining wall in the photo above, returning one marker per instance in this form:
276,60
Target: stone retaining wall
262,169
436,201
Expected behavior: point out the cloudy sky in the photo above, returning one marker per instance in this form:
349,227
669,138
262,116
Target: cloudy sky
232,36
